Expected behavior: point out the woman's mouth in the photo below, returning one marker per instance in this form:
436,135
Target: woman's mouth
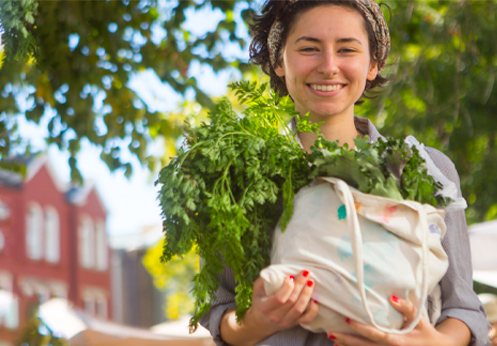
326,87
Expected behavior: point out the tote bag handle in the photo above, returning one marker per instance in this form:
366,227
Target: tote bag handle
348,200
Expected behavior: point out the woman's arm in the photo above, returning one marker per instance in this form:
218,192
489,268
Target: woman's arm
459,301
289,306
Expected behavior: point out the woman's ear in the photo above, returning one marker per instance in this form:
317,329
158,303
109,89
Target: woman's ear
279,70
373,70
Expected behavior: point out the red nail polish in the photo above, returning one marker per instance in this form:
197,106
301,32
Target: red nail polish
395,299
347,320
310,283
332,337
305,273
292,278
315,301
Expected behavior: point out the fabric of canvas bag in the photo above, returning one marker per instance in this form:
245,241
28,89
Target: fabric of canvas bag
360,249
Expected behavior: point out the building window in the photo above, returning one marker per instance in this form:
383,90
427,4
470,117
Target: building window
86,243
52,235
101,308
89,305
9,304
101,246
34,232
2,242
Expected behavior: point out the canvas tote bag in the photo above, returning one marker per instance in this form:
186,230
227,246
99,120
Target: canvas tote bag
360,249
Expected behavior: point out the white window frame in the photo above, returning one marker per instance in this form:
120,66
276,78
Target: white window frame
89,304
86,243
101,309
34,232
9,306
102,252
52,235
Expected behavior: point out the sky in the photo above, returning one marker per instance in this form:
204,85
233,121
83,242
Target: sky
132,203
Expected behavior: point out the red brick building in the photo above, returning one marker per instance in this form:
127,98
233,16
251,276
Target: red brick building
53,243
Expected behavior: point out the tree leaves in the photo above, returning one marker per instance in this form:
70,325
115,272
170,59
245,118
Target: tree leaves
77,59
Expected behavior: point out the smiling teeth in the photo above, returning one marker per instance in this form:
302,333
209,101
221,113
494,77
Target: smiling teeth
325,87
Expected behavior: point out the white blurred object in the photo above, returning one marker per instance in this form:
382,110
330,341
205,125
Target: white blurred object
489,302
483,241
9,309
180,328
6,299
81,329
61,318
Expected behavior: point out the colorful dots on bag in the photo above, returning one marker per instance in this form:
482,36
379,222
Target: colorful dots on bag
342,212
357,205
388,213
435,229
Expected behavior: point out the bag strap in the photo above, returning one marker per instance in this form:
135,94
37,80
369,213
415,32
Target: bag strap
356,237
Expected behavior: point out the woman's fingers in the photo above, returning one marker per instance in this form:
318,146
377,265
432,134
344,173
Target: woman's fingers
289,304
298,302
280,297
310,314
370,334
406,307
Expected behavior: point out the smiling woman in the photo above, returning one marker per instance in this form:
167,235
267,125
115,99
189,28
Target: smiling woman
326,62
327,55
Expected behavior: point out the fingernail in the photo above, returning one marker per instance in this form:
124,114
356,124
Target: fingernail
310,283
347,320
332,337
315,301
395,299
305,273
292,278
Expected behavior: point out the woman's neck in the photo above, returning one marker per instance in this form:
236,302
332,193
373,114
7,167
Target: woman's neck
341,129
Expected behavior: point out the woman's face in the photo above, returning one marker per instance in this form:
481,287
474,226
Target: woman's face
326,61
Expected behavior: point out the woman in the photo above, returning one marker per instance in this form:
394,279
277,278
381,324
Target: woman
326,54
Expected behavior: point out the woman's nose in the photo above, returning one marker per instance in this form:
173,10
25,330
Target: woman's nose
328,64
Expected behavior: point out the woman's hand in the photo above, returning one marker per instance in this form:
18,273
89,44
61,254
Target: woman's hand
289,306
450,332
492,335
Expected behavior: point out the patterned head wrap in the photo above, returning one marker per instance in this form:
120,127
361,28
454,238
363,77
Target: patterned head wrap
371,11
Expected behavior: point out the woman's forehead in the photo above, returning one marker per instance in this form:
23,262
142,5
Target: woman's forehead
329,21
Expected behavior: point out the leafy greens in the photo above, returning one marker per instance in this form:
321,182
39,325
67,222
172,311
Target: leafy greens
236,177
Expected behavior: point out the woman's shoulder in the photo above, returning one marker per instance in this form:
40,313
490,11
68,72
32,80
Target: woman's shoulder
444,164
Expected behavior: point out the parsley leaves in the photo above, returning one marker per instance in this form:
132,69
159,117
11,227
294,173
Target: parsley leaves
236,177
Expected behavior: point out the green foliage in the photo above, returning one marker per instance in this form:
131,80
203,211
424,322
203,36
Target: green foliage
36,333
442,89
68,54
388,168
223,191
174,278
442,71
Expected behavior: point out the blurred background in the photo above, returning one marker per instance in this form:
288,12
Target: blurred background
93,99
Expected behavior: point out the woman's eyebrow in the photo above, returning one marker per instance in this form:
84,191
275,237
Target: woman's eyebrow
316,40
308,38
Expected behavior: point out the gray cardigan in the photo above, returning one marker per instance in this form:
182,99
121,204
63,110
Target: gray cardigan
458,298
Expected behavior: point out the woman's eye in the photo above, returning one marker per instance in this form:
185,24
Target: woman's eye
308,49
346,50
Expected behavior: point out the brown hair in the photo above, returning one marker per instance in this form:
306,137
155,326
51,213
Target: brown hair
288,13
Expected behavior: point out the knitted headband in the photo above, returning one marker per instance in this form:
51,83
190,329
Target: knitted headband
369,8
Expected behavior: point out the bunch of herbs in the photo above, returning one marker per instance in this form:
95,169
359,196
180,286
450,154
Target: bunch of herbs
388,167
236,176
225,190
